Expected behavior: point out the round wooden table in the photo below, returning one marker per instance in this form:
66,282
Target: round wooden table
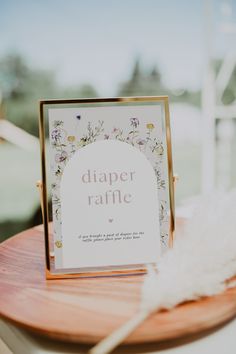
87,310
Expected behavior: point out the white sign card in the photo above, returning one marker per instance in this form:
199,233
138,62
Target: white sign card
109,183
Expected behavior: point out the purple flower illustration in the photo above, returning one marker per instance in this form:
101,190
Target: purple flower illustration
141,142
115,130
60,157
56,134
134,122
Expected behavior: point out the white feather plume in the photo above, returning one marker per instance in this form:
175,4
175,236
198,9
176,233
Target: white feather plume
202,258
200,263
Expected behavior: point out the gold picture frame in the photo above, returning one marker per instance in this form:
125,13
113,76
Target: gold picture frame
49,254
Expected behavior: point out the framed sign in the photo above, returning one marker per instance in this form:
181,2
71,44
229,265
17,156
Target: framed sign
107,169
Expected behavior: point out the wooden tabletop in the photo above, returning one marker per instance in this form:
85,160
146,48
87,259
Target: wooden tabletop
86,310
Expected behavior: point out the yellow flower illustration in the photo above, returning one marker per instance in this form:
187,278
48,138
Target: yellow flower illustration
150,126
71,138
58,244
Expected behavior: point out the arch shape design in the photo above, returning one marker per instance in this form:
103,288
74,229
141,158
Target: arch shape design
109,207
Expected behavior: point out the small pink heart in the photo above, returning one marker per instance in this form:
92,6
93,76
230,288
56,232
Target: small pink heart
110,220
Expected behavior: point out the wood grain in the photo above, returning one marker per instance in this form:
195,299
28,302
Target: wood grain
87,310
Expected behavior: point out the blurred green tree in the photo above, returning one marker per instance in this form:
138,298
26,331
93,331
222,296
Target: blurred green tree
145,83
141,83
22,87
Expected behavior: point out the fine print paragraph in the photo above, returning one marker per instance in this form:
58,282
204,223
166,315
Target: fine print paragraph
111,237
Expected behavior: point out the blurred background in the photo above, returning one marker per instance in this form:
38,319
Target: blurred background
75,48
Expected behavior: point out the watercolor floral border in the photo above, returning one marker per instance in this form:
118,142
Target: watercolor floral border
64,145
